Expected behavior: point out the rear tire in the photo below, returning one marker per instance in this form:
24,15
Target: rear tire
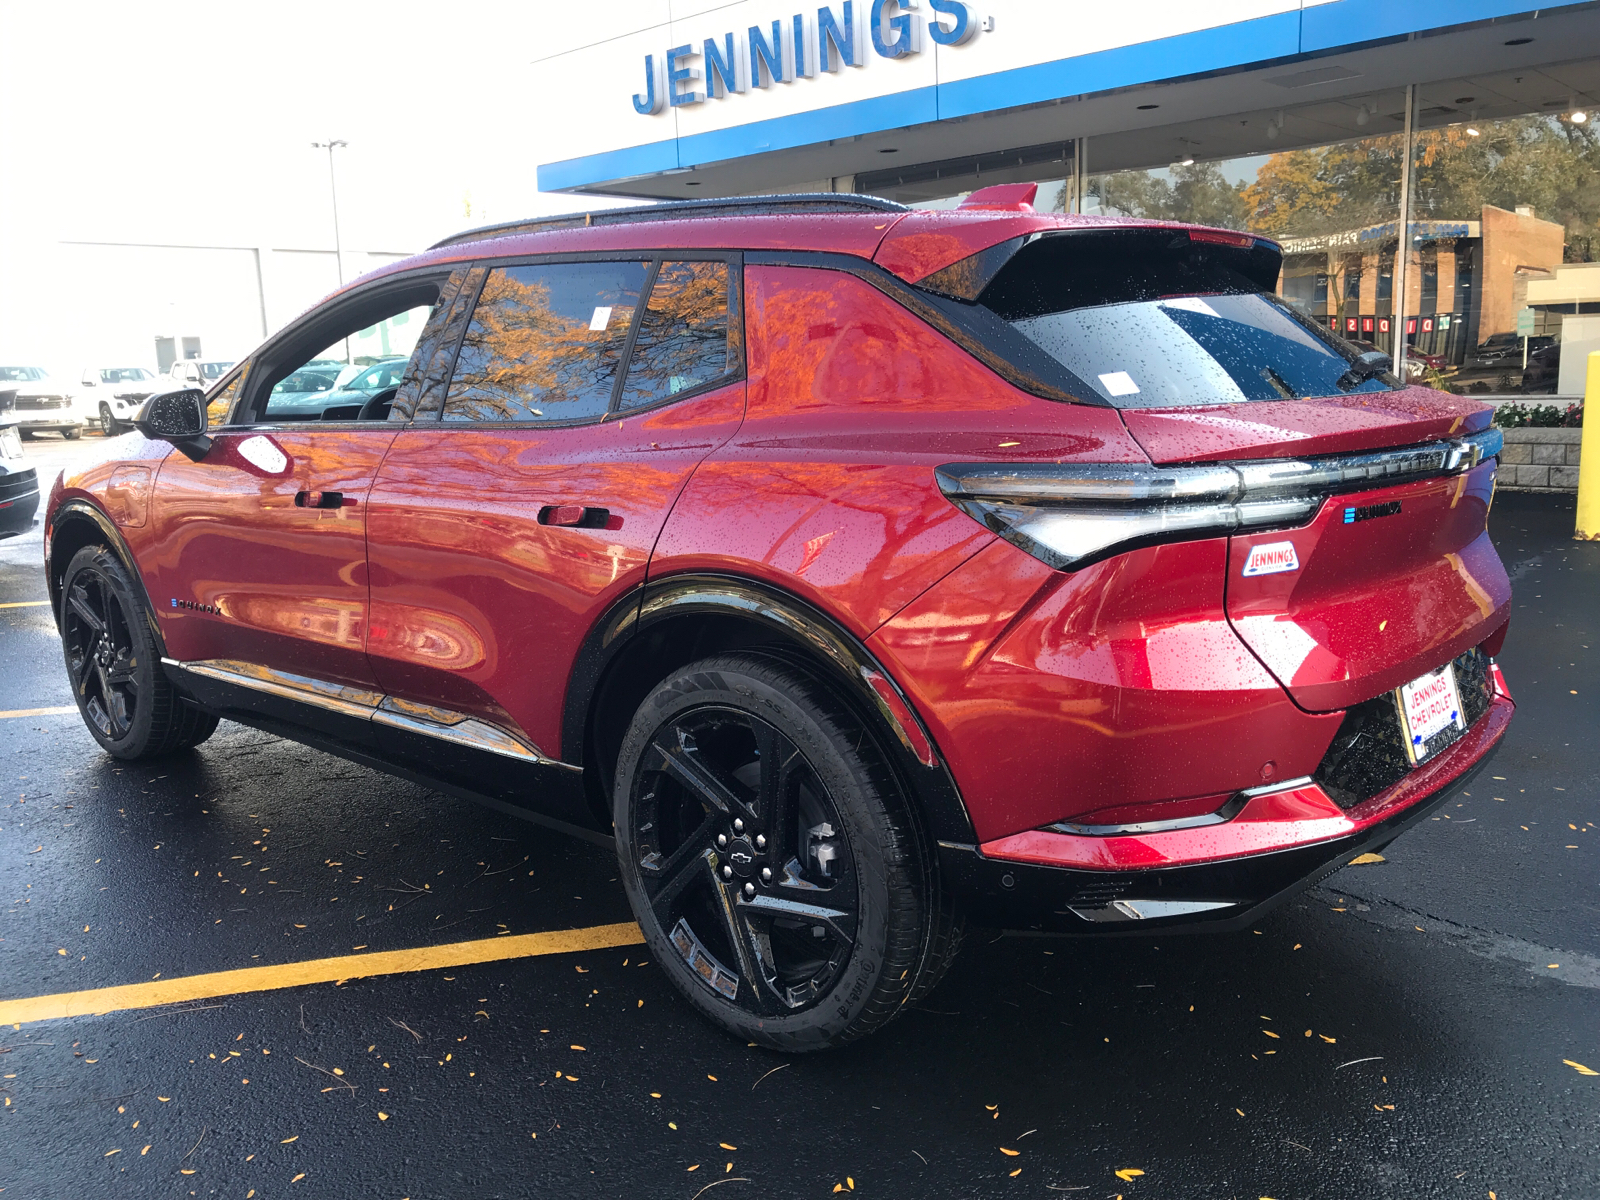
771,858
109,425
115,671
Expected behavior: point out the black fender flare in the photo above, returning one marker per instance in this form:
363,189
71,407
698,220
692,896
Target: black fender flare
842,657
78,509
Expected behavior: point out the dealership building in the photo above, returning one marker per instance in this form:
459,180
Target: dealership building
1330,125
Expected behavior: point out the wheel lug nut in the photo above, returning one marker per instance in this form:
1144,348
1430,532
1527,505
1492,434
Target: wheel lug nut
766,874
738,825
761,841
749,890
727,872
722,839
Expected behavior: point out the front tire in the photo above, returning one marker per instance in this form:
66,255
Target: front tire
112,664
109,425
771,859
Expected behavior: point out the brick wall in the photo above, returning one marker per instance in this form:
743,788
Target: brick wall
1541,459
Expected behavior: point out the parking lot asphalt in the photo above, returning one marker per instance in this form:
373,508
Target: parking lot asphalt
1424,1026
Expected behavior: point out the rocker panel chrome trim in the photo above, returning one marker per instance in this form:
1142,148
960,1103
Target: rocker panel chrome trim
424,719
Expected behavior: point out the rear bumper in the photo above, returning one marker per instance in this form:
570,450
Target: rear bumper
1221,876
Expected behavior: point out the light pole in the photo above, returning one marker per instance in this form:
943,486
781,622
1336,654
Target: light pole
333,190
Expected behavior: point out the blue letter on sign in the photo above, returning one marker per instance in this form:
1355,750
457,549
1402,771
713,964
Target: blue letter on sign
770,54
845,42
961,31
654,92
722,70
906,28
677,74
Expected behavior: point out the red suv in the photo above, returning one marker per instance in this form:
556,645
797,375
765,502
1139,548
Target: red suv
858,569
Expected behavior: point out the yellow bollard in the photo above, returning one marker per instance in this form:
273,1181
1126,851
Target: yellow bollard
1589,460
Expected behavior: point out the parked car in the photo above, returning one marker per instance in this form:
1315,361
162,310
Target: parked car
1500,349
301,397
118,394
198,373
19,484
1543,372
860,571
41,404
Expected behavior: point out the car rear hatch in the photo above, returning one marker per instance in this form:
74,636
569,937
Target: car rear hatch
1359,558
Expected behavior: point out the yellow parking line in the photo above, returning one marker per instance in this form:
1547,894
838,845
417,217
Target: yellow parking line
26,604
317,970
39,712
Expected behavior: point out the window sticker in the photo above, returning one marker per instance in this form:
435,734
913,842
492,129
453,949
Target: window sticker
1192,304
1119,383
601,318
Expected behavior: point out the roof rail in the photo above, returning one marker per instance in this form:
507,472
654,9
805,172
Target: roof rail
685,210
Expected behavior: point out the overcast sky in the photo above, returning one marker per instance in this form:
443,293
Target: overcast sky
188,121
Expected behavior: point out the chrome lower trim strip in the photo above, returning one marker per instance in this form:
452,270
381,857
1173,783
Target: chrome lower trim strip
465,731
1148,910
445,724
349,701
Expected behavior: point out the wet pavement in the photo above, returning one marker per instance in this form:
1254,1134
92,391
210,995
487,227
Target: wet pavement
1400,1031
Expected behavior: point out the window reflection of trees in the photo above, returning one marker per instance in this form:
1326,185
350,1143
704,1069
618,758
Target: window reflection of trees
530,353
683,335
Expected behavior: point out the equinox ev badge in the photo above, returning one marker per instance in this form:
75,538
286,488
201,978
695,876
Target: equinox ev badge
1366,512
196,607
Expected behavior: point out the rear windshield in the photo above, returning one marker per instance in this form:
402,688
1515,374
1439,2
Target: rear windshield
1151,319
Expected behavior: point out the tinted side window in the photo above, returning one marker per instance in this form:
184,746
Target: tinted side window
683,335
545,342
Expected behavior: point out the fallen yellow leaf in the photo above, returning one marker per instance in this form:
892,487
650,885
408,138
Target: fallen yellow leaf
1128,1174
383,1116
1579,1067
298,1177
1269,1033
1017,1172
725,1146
696,1167
575,1046
1009,1153
1361,859
1240,1111
286,1141
109,1153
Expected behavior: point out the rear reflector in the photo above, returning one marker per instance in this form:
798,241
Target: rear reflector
1070,515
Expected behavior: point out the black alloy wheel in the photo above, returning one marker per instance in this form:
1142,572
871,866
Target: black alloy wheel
113,666
769,858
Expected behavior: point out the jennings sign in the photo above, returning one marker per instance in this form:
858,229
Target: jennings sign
799,47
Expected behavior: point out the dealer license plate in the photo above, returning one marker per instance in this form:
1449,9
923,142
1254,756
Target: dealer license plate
1430,713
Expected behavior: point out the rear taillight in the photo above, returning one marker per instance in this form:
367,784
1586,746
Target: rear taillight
1070,515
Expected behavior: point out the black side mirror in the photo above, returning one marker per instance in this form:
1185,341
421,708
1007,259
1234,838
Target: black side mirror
178,417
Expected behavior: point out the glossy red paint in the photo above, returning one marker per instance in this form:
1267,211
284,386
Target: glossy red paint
828,487
1297,428
1149,686
289,584
1378,601
929,240
479,608
1056,695
1278,821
